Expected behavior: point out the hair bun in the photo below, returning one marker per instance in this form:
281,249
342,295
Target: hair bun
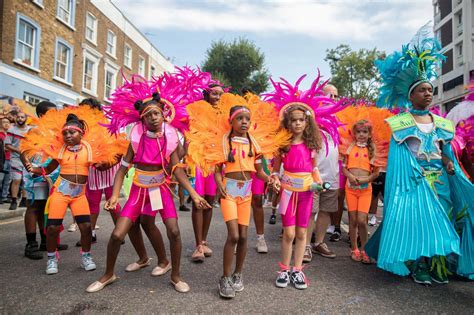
72,117
156,96
138,105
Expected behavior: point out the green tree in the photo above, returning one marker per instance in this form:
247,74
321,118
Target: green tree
238,64
353,72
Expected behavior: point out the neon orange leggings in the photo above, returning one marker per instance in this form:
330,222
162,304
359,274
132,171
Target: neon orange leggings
359,199
237,209
58,204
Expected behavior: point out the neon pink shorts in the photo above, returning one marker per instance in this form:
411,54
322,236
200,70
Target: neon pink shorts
95,197
138,203
258,186
300,217
205,186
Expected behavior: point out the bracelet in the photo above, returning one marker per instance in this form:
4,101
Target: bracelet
275,174
125,163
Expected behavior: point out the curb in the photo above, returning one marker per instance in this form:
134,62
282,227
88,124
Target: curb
8,214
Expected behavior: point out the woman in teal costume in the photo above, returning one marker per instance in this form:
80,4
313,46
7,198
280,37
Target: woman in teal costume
429,202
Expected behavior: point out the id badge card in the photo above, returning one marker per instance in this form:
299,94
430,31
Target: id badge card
155,198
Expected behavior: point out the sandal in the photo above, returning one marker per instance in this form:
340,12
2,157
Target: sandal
366,259
355,255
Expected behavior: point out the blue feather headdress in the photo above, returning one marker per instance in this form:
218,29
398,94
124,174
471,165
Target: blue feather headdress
403,70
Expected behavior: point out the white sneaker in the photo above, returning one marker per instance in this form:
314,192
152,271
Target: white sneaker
87,263
262,246
380,203
72,227
330,229
373,220
97,227
52,266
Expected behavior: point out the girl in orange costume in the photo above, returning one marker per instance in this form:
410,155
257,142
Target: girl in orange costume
363,150
234,140
77,149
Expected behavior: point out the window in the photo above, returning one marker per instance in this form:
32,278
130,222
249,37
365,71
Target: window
127,56
152,71
65,12
27,43
63,61
39,3
91,28
90,71
33,99
111,40
459,49
141,66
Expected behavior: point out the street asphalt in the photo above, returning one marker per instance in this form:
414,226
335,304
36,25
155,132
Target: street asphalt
336,285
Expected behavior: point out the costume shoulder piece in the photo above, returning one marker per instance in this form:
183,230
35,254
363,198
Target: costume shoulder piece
209,129
47,136
171,134
400,122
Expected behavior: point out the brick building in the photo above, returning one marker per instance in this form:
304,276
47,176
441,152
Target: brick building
66,50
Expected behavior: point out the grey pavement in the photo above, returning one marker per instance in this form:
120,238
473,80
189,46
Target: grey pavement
337,285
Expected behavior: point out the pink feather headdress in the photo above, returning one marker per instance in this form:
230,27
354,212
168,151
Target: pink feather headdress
320,107
177,90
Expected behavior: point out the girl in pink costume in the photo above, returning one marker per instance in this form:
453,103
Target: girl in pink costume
153,151
301,176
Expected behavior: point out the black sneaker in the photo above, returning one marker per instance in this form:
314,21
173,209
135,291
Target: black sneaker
62,247
94,240
22,203
13,206
189,200
225,288
184,208
32,252
283,279
298,278
335,237
273,219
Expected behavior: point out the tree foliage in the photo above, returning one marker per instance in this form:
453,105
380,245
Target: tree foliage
238,64
353,72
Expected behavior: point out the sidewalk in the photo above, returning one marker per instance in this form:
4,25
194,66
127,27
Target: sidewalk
8,214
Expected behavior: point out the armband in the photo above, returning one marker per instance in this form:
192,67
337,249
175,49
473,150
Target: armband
125,163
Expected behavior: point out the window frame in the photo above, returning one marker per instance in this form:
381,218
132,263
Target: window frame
94,31
39,3
142,73
95,72
72,14
68,79
130,61
35,54
114,69
114,47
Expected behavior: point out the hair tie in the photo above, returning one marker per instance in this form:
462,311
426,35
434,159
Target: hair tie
241,110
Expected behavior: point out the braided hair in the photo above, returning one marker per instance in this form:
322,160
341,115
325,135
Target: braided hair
73,120
92,103
230,156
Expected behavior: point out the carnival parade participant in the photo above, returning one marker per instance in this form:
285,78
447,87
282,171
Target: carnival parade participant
428,200
299,116
231,143
153,152
205,185
83,142
37,189
363,150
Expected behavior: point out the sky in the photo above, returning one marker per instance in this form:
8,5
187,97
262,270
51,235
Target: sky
293,35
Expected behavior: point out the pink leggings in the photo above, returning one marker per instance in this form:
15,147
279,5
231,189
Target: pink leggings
95,197
300,217
205,186
138,203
